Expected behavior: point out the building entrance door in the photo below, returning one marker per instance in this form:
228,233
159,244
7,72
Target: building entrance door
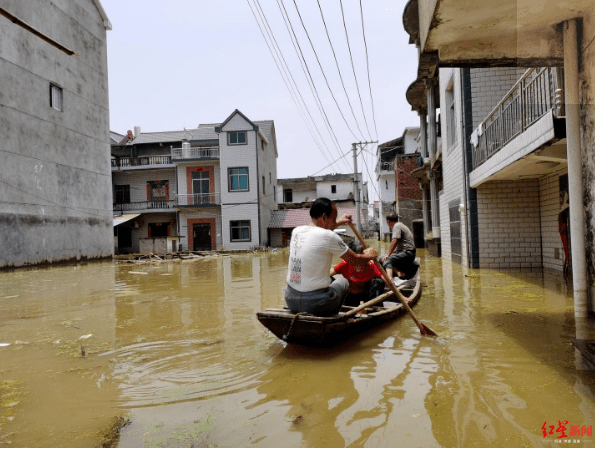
201,233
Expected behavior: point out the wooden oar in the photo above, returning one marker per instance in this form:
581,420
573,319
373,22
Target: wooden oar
425,330
370,303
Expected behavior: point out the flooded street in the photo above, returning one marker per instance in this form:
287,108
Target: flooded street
177,347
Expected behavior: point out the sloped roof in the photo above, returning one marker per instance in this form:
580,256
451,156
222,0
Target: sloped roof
115,138
292,218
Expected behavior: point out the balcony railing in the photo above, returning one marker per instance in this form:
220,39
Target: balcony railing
195,153
385,166
531,98
143,205
124,162
199,199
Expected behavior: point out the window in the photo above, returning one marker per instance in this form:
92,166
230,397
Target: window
237,179
201,187
237,138
287,196
450,116
56,97
264,145
122,194
157,229
240,230
333,188
263,190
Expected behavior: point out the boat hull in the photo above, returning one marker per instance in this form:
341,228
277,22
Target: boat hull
310,330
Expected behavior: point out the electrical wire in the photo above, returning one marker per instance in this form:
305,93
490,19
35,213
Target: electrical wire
368,68
290,90
322,70
353,68
339,70
306,70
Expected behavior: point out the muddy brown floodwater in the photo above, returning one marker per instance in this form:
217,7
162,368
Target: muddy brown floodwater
176,347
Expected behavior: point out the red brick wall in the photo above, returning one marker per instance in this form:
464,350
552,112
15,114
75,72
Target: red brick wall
407,186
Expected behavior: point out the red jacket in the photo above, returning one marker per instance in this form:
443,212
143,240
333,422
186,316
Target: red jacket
357,279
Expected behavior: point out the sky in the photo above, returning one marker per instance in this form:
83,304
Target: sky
179,63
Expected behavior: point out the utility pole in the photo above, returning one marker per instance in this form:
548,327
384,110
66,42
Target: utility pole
356,183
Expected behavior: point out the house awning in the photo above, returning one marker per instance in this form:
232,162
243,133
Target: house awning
124,218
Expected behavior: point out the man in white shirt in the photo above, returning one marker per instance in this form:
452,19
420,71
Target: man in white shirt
309,286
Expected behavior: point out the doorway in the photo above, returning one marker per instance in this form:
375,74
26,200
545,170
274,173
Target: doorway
201,234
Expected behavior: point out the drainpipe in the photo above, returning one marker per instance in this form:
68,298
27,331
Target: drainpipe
575,179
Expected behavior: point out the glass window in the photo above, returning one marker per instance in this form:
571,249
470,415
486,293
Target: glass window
333,188
240,230
55,97
238,179
237,138
122,194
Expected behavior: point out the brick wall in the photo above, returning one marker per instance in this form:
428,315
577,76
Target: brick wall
452,164
509,224
488,87
408,190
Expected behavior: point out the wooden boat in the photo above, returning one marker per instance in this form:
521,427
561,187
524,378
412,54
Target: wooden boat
310,330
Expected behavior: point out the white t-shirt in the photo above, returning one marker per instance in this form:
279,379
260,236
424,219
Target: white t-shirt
310,255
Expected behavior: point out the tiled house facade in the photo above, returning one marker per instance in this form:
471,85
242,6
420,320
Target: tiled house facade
211,187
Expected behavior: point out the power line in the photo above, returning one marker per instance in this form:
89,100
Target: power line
290,90
353,68
368,68
339,69
322,70
306,70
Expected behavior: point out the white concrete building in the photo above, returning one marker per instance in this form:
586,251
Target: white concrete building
209,188
55,196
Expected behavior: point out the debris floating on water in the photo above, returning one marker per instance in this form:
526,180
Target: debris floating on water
4,344
84,337
137,272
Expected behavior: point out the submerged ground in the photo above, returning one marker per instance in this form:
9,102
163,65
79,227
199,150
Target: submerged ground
176,348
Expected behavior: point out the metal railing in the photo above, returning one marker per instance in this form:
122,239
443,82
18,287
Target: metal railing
530,98
143,205
198,199
195,153
385,166
124,162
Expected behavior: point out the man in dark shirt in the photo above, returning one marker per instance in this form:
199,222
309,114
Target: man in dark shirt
401,254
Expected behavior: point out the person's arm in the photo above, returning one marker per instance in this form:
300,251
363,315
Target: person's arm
393,246
359,260
345,219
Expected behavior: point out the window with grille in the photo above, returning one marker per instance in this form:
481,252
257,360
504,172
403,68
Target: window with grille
122,194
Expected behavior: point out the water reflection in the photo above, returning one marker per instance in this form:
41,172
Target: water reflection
179,345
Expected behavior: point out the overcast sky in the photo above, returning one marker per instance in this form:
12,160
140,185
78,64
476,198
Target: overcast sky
175,64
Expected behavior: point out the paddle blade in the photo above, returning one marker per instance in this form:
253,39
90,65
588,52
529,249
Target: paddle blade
425,330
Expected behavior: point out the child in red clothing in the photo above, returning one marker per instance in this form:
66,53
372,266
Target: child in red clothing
365,282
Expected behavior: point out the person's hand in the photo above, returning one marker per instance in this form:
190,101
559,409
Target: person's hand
384,258
345,219
370,253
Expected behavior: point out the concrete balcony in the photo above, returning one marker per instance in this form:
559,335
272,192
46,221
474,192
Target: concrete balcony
198,200
141,163
194,154
521,137
144,206
383,168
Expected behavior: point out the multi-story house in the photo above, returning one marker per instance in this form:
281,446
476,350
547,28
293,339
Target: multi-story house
518,136
295,196
208,188
391,156
54,177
